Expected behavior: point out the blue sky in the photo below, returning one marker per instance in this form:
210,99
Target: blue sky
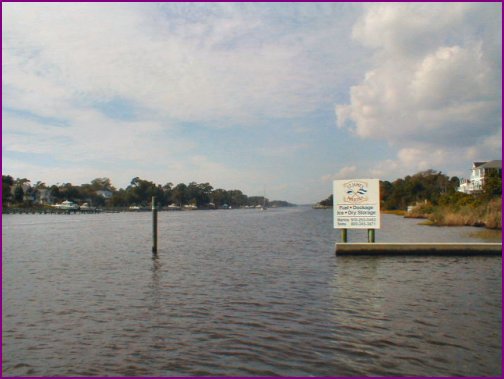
284,96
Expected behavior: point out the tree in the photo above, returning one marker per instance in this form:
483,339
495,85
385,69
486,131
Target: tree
180,194
18,194
68,191
199,194
492,186
7,183
140,192
39,185
37,189
89,195
386,189
237,198
55,191
220,197
102,184
327,202
119,199
21,181
428,185
167,193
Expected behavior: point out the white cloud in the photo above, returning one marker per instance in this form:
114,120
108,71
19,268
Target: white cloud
176,65
199,63
435,87
243,66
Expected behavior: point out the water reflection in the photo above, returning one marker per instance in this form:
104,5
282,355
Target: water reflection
156,271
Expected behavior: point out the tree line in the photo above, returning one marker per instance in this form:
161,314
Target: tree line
101,192
432,187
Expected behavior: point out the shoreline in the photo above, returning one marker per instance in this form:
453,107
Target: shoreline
446,217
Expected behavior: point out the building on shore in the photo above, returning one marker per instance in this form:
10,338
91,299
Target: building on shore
479,171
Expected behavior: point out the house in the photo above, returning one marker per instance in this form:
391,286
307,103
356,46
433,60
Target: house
105,194
44,196
28,192
478,173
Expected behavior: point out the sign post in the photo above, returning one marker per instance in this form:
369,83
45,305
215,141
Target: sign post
357,206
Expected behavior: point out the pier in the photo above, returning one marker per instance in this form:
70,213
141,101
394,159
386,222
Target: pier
416,249
49,211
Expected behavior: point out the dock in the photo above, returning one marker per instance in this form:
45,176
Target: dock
49,211
416,249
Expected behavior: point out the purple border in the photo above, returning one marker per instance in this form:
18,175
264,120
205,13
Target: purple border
178,1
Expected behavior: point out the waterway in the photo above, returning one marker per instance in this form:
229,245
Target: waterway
241,293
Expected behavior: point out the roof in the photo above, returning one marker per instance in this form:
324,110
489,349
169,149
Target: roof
492,164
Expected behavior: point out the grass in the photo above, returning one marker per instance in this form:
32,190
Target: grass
487,214
397,212
427,223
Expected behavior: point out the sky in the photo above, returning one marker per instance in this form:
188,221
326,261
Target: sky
274,98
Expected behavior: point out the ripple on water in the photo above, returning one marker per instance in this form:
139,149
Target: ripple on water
240,293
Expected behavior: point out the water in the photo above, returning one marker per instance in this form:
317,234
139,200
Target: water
241,293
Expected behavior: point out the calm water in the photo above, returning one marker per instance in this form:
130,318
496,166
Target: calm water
240,293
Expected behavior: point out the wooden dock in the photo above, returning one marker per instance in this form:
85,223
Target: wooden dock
415,249
49,211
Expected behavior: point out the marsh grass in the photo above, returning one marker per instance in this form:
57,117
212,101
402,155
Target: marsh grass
487,214
427,223
397,212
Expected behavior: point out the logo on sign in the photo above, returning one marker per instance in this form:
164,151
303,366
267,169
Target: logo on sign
355,192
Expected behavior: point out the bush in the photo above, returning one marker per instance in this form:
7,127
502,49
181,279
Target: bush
493,214
474,214
423,210
457,200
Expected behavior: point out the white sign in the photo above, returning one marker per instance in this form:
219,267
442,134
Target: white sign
356,204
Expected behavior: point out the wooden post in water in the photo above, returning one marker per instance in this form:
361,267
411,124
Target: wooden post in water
154,226
371,235
344,235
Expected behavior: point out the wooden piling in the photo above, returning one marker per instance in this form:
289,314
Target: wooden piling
344,235
154,226
371,235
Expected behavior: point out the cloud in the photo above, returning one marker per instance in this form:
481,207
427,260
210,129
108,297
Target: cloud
144,89
434,89
128,81
92,143
192,63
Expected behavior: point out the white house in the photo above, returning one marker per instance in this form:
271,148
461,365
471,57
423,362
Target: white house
478,173
44,196
105,194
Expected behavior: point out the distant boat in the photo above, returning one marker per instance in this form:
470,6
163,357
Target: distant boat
86,207
67,205
320,206
261,207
